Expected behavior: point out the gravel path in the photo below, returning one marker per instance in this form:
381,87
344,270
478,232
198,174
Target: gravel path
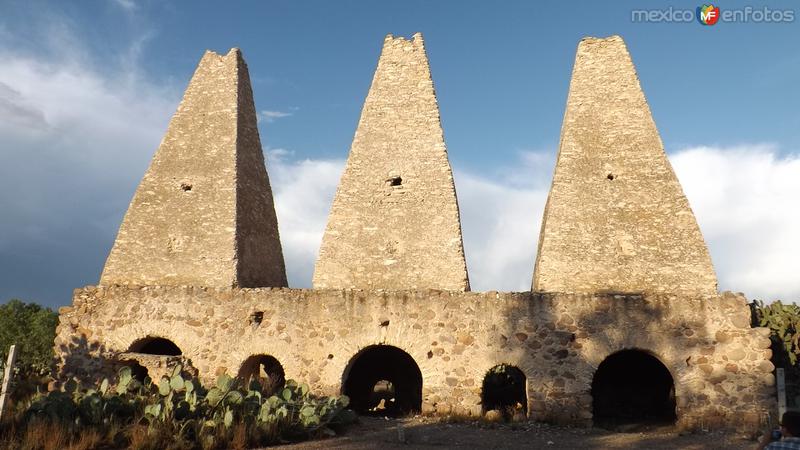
419,432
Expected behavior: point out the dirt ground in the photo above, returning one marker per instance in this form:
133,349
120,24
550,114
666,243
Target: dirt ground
420,432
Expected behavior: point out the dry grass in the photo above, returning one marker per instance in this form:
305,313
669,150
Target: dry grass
41,435
239,441
139,439
87,440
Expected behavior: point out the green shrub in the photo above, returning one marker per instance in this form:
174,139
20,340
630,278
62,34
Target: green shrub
783,320
178,412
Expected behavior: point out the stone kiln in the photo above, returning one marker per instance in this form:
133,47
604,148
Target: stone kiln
623,322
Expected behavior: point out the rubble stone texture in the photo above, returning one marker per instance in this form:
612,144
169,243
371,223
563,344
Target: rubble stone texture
394,223
616,218
720,365
203,213
632,233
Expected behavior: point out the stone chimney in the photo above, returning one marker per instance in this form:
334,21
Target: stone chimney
616,218
395,223
203,214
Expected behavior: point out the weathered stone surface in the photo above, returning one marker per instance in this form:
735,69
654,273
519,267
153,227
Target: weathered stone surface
203,213
616,218
337,324
394,223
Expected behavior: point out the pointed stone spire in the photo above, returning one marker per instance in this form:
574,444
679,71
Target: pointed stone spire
203,214
395,223
616,218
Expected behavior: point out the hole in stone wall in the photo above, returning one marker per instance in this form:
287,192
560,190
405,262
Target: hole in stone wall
155,346
138,371
382,370
257,317
186,187
610,176
394,181
383,396
504,390
632,387
264,369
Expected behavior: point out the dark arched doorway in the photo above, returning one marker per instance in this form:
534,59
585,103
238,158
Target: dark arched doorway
264,369
632,387
504,390
155,346
383,380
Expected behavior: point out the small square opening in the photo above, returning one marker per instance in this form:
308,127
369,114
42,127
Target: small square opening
395,181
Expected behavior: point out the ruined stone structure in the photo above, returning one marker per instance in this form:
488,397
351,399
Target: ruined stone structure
203,213
616,218
624,316
394,223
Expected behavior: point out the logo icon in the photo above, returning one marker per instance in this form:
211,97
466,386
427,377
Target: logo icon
707,14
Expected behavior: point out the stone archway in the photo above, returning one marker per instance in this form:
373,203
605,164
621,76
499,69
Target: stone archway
383,379
154,345
504,390
632,387
264,369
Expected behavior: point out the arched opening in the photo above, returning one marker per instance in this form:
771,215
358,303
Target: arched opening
632,387
383,380
504,390
138,371
155,346
265,370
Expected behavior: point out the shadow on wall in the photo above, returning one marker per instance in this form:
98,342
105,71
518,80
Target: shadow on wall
265,370
151,345
504,390
628,381
383,380
632,387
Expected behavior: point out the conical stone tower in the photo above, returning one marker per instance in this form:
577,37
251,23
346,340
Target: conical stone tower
203,215
616,218
394,223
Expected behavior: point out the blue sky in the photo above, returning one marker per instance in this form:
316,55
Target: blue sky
87,89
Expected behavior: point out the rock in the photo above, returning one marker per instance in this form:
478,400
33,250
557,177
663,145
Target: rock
493,416
736,354
741,321
766,366
762,342
722,337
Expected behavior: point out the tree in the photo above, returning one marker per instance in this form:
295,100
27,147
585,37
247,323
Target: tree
33,328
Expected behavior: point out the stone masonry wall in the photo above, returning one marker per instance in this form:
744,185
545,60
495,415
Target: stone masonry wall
616,217
394,222
720,365
203,213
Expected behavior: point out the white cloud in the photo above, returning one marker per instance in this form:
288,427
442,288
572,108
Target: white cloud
272,116
303,193
74,142
500,216
127,5
500,224
747,202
